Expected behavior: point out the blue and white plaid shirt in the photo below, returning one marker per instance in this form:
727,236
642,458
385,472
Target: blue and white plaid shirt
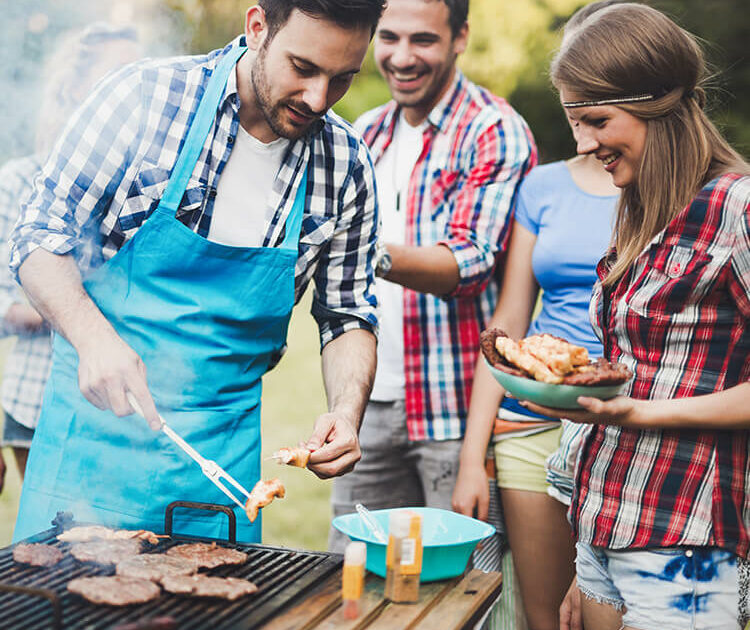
108,170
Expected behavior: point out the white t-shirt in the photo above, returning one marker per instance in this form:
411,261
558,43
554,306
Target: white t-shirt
392,173
239,212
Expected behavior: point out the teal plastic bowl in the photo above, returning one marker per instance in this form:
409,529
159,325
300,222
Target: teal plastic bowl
549,395
448,539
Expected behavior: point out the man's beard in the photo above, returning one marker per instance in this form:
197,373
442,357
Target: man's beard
272,113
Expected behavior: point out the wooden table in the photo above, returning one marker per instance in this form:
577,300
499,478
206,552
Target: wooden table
455,604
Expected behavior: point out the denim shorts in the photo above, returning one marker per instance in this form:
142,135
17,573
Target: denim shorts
16,434
678,588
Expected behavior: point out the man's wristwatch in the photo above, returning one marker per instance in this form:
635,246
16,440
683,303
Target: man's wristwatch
383,261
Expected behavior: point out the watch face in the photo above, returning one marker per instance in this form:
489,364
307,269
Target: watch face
384,264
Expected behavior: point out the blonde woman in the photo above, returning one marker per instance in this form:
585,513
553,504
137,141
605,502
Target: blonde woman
660,508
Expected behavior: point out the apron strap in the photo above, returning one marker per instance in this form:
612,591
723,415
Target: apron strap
294,220
201,125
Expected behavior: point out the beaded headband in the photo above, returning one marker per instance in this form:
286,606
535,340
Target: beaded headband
610,101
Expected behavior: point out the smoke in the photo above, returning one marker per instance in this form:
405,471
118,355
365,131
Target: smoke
31,30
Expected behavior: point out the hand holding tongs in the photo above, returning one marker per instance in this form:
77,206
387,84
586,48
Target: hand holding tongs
209,467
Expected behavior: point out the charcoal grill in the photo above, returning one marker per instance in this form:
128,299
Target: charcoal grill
37,598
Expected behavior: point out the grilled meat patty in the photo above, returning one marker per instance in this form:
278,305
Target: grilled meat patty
206,586
37,554
106,551
154,566
114,590
207,555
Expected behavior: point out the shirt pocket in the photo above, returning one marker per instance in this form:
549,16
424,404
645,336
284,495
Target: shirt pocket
675,277
147,191
444,185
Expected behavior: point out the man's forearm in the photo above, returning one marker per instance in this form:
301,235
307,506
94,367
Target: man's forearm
430,269
348,371
53,285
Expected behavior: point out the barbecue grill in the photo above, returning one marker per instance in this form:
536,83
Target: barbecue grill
37,597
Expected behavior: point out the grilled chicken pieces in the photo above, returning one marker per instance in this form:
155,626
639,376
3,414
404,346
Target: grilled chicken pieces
549,359
293,456
261,495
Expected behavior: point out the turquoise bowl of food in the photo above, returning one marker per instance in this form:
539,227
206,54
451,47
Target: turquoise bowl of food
549,395
448,539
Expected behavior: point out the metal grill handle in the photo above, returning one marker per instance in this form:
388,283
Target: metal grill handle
38,592
211,507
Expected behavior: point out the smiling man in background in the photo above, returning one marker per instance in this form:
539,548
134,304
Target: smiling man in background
177,221
448,156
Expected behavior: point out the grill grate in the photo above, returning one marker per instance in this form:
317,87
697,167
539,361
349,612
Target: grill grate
282,575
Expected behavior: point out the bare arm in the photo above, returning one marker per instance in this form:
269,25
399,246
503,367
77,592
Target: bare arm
513,314
108,368
348,371
722,410
425,269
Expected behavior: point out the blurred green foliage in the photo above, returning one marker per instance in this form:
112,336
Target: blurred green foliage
511,44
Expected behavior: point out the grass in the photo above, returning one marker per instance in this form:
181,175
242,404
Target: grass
293,397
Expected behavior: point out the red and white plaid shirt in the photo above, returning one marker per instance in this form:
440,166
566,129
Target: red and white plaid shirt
476,149
679,319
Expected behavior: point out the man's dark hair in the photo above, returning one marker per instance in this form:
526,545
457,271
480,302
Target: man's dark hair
346,13
459,13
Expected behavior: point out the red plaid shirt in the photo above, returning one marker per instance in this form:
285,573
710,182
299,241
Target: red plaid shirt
476,149
679,319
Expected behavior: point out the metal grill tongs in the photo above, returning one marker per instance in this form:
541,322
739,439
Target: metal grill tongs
210,468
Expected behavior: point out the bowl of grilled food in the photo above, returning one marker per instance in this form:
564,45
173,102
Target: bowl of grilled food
550,371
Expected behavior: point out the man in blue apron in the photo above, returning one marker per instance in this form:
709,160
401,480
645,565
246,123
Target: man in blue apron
178,220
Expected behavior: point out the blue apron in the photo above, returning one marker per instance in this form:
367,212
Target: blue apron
206,319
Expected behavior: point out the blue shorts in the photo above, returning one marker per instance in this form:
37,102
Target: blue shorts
16,434
678,588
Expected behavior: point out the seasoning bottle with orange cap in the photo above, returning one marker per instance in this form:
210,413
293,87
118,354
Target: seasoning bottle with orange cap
404,557
353,580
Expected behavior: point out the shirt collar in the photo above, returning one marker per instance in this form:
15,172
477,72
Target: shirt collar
439,116
231,93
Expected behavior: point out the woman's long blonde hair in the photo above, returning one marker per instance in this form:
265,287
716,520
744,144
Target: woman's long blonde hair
631,49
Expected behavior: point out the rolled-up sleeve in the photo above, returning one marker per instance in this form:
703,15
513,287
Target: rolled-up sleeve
345,278
80,176
480,222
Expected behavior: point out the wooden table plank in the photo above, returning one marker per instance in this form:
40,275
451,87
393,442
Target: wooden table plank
463,605
312,609
371,605
402,616
451,605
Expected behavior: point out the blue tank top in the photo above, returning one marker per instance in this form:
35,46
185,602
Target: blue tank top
573,230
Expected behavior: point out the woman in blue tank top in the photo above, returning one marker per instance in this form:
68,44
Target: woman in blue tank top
562,228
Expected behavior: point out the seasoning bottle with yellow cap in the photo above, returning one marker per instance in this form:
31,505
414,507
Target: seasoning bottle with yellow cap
353,580
404,557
